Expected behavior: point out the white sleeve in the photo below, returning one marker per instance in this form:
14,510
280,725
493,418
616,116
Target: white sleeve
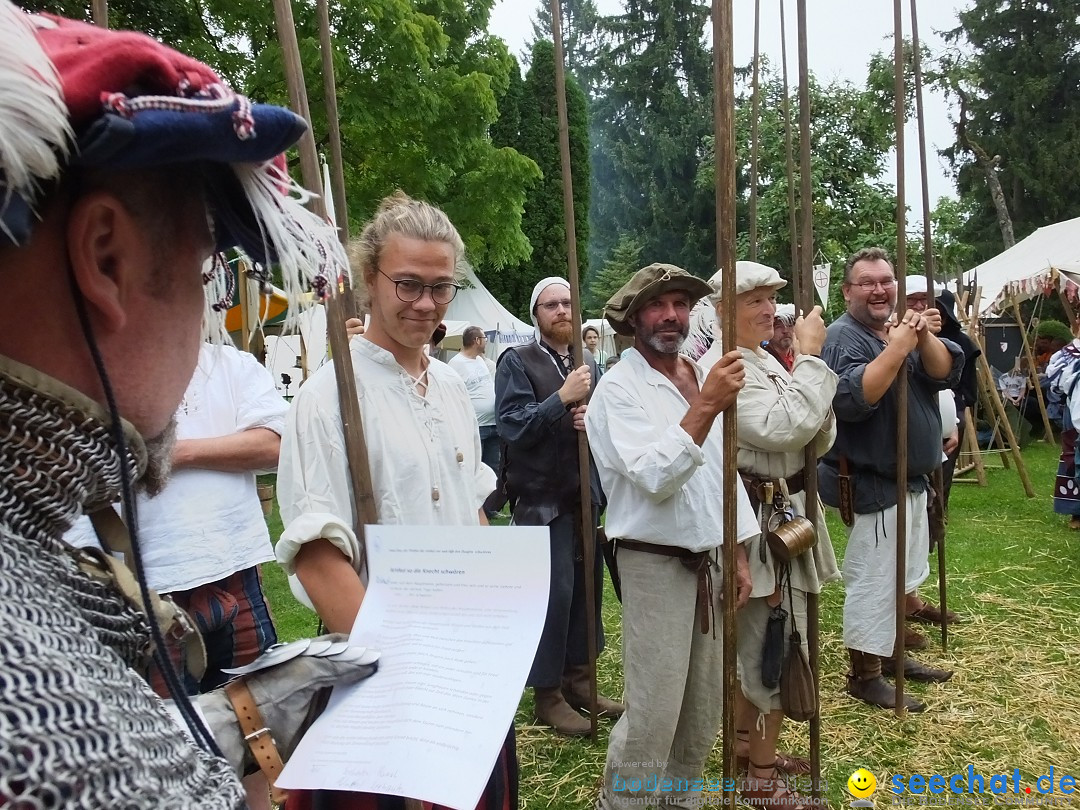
313,483
259,404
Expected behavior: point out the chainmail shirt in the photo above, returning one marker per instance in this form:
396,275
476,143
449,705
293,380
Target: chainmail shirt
79,728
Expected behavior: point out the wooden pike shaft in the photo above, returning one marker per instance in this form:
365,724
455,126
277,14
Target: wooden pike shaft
937,477
724,152
337,167
100,12
902,377
755,106
805,303
796,282
588,527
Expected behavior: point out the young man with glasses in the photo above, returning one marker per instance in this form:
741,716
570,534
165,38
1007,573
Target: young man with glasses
423,445
869,348
539,408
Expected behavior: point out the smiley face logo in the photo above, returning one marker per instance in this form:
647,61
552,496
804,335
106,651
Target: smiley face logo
862,783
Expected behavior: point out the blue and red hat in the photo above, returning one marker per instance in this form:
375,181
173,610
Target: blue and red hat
131,102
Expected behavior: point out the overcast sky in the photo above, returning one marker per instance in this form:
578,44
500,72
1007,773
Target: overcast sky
841,37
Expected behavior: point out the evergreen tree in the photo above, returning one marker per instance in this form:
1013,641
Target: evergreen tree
624,261
580,36
1019,95
543,220
652,115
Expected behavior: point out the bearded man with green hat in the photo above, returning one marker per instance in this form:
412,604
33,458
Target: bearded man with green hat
654,426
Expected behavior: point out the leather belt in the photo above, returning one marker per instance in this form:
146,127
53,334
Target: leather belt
755,485
257,736
700,563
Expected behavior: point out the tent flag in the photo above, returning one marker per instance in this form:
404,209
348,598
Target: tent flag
822,275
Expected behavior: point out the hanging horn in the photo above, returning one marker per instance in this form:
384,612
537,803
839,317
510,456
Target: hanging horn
588,525
724,153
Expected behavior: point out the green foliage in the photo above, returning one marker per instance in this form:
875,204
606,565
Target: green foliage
650,118
417,82
1017,70
580,37
543,223
1055,330
625,260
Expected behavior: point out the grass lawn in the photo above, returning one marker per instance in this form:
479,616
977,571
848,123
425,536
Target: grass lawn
1014,702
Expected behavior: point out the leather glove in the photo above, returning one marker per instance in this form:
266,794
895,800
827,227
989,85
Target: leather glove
289,696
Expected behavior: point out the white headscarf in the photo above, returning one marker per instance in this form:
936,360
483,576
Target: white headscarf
542,285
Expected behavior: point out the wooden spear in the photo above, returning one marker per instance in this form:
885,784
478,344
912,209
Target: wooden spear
337,166
805,274
755,106
588,523
796,282
902,377
937,479
99,9
724,153
356,453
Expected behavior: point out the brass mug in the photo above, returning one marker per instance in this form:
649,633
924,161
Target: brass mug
791,536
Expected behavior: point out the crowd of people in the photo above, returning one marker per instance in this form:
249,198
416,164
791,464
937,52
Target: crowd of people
107,384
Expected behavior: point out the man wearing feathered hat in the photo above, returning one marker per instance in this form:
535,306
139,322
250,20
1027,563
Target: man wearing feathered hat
124,166
654,425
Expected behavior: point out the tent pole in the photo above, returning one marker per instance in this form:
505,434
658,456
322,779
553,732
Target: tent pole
1033,374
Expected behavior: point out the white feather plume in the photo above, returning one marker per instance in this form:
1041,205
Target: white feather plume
308,251
34,128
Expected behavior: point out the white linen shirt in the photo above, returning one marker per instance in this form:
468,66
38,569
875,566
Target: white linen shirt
661,487
424,453
208,524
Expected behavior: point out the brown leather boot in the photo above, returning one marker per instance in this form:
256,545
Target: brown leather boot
575,688
914,640
865,683
915,671
553,710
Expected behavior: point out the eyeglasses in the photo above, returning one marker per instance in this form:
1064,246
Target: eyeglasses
870,286
551,306
409,290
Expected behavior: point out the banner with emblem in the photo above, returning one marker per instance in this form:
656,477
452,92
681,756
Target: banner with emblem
822,276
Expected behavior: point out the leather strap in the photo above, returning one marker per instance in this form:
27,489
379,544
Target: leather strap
846,492
700,563
257,736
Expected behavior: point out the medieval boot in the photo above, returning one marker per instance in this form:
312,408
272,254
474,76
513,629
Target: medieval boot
865,683
576,690
915,671
553,710
914,640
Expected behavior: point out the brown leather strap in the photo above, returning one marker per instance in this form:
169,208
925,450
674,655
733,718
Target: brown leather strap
754,485
700,563
846,492
257,736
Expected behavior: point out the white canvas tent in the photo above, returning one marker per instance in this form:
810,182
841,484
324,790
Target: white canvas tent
477,306
1047,261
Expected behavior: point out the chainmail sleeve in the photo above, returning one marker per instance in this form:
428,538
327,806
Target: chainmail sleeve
79,728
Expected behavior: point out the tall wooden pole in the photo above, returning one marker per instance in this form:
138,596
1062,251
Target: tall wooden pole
796,282
755,108
337,168
902,377
937,477
99,9
805,303
724,150
588,524
1033,374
